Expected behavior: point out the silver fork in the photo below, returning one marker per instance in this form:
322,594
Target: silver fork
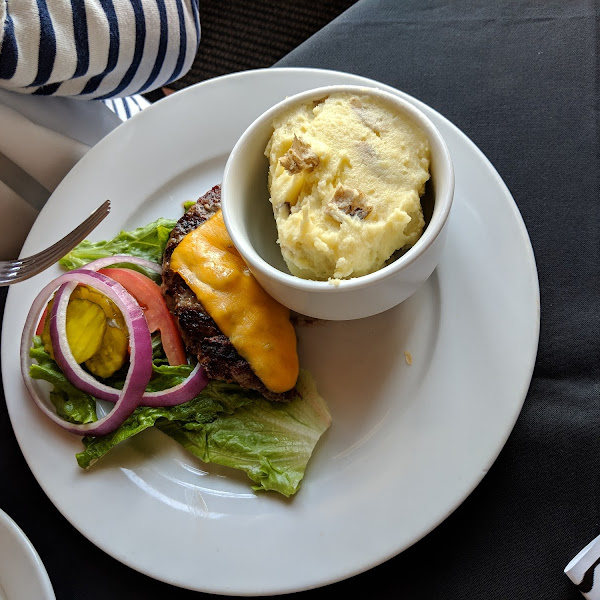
13,271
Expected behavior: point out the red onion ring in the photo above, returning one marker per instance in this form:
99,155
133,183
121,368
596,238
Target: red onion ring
140,369
195,382
106,261
183,392
81,379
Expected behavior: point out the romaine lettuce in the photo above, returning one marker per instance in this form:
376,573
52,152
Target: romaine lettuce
271,442
147,242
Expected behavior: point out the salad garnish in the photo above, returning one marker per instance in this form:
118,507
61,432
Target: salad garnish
158,385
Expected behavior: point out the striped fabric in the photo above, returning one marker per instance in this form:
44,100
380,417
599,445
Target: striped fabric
95,49
125,108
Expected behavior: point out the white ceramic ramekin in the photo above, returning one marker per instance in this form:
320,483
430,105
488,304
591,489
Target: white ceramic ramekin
249,219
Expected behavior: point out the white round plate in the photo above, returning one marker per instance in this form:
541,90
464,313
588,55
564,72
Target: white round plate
408,443
22,573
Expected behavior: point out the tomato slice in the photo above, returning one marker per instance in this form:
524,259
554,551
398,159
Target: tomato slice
159,318
40,328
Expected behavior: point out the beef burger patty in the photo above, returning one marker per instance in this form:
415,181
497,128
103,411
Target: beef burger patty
201,335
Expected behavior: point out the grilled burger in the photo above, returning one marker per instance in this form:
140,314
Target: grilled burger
200,332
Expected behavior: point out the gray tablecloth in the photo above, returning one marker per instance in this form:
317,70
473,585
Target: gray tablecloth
519,77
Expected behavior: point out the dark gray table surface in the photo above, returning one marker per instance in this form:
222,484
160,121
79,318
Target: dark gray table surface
519,77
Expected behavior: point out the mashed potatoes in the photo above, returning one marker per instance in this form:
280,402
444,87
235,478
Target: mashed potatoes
345,178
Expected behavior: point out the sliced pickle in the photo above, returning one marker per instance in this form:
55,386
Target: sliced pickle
114,350
96,331
108,306
86,324
112,354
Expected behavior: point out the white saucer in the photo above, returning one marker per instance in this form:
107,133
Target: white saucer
22,573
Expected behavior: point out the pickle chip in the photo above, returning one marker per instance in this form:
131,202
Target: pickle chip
86,324
112,354
96,332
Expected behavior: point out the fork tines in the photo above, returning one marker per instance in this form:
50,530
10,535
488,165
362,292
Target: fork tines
12,271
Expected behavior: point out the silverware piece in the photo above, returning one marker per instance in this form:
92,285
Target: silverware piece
13,271
18,180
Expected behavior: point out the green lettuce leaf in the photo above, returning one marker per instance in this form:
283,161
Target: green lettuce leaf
144,242
71,404
271,442
218,397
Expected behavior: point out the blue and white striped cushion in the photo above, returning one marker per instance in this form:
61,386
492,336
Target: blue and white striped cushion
95,49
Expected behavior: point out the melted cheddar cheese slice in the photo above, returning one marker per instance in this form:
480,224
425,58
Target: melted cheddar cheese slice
257,325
